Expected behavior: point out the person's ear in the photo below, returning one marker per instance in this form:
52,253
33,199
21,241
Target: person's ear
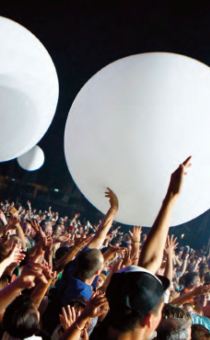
147,320
98,272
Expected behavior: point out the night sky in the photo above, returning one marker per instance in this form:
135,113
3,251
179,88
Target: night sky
84,36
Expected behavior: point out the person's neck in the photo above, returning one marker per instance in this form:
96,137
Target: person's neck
136,334
89,281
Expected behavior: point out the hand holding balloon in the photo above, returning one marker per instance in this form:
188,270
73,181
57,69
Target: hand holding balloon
113,200
177,177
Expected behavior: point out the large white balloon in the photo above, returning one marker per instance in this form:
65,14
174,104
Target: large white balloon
32,160
131,125
28,90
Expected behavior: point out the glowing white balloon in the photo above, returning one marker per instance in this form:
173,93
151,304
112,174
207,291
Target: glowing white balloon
28,90
131,125
32,160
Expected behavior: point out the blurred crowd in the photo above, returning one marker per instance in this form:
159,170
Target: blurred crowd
63,279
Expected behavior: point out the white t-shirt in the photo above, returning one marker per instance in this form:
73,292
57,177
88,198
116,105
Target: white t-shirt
6,336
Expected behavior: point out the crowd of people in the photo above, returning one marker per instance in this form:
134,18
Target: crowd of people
64,280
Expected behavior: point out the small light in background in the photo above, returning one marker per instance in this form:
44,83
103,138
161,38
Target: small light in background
56,190
182,236
13,179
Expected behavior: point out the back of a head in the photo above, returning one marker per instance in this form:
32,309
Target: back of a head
199,332
172,329
175,324
88,263
189,279
21,319
133,294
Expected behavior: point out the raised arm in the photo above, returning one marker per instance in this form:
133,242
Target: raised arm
103,230
171,245
72,253
15,257
25,281
152,252
136,241
184,298
95,308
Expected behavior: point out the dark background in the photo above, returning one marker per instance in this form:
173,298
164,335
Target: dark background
82,37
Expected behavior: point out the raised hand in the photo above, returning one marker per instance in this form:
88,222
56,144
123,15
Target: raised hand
16,255
3,217
97,306
113,200
171,245
177,176
118,265
135,234
67,317
30,273
14,212
47,271
127,259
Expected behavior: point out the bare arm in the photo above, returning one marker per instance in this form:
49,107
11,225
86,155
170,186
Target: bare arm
103,230
152,252
170,248
21,234
42,287
25,281
95,308
136,241
188,296
184,265
72,253
15,257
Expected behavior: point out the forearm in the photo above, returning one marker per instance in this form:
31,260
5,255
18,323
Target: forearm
183,298
3,265
39,293
68,257
152,252
169,268
195,267
103,230
8,294
184,267
177,261
109,254
135,252
107,281
49,257
21,235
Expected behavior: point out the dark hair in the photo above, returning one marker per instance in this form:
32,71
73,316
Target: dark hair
21,318
120,321
125,319
174,324
87,264
60,252
172,329
171,311
189,279
199,332
207,278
